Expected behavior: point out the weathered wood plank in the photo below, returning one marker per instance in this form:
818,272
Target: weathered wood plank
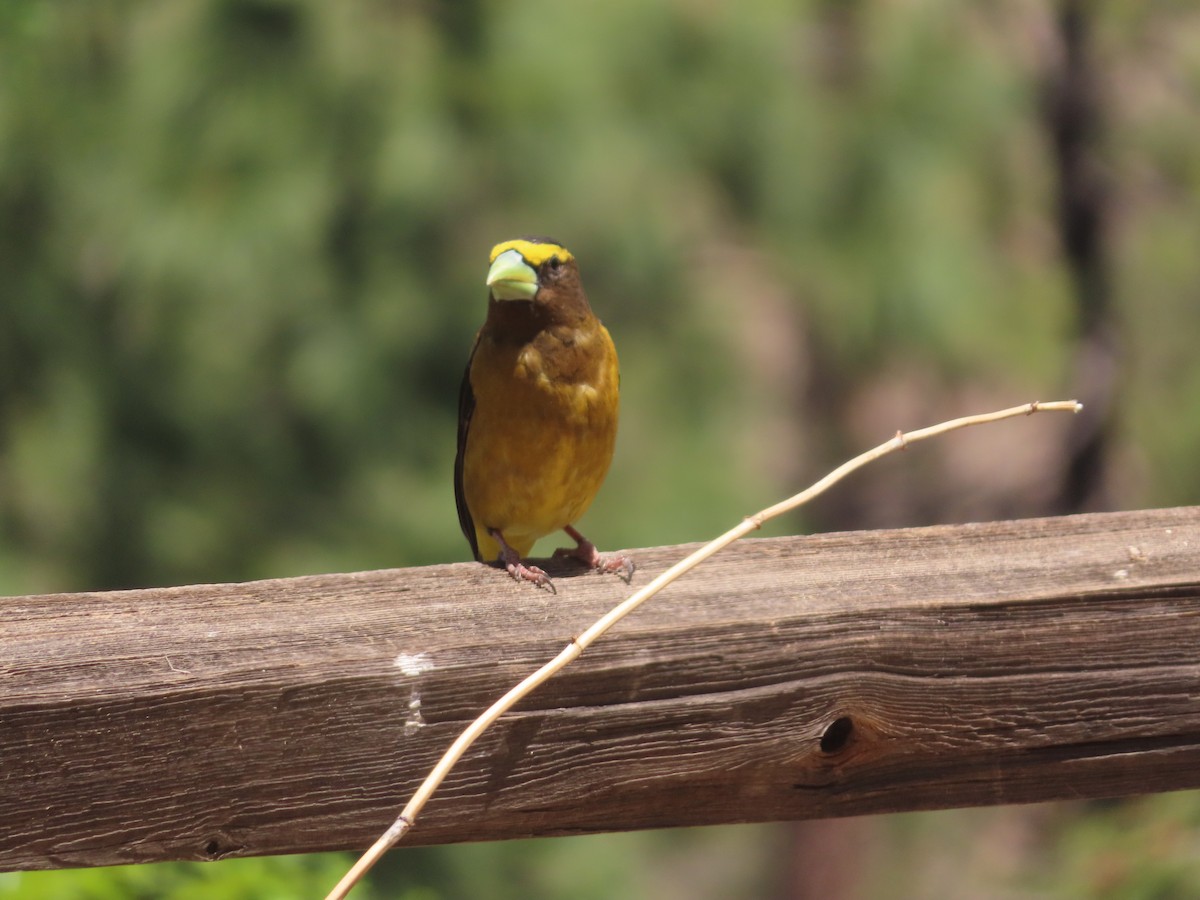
788,678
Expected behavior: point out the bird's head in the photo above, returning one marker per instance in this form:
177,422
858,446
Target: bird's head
534,269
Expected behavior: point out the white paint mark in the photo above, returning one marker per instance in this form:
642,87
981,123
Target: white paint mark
1121,573
415,720
414,663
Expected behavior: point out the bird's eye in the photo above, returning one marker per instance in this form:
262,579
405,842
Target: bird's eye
555,262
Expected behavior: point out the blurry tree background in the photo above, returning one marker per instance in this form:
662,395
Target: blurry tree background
242,246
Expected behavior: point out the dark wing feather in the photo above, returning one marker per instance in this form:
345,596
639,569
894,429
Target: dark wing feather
466,407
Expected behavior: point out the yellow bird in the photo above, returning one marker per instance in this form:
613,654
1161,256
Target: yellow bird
537,413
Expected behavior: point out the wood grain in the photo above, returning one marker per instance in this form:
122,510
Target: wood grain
790,678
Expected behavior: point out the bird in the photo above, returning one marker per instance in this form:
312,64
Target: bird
537,412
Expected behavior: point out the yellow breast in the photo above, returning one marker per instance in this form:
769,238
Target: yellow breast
542,433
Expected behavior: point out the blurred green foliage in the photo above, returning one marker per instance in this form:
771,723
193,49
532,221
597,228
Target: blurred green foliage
242,245
271,878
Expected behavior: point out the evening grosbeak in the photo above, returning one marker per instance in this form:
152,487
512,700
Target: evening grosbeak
537,412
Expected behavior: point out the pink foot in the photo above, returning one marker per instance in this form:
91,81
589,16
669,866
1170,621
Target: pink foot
585,551
517,569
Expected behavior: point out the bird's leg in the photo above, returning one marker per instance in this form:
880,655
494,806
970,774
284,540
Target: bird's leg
585,551
517,569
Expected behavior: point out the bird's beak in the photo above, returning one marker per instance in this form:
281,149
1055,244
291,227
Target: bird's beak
511,278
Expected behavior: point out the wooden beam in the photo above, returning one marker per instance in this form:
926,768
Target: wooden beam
789,678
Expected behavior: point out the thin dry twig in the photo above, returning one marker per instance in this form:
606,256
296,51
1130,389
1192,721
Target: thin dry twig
575,648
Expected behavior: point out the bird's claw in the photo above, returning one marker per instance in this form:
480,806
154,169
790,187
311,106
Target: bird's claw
585,551
618,563
532,574
511,560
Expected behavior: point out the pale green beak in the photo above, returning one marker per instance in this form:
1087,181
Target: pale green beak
511,278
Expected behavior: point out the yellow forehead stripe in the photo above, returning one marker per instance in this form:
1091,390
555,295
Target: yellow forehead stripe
534,254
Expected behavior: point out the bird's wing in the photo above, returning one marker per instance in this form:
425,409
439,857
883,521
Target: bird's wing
466,407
